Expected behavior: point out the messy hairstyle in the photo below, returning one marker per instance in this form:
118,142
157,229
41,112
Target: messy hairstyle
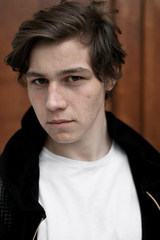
92,24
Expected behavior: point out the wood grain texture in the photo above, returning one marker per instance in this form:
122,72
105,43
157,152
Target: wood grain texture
13,98
127,100
151,78
137,97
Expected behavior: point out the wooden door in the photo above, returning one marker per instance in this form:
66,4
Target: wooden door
137,98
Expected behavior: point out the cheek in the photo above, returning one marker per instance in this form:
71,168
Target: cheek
92,103
96,96
89,97
36,100
38,105
31,96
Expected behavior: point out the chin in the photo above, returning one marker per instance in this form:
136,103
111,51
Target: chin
64,140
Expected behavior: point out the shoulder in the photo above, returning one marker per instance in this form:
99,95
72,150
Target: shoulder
130,139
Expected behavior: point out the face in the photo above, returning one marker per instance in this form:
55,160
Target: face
67,97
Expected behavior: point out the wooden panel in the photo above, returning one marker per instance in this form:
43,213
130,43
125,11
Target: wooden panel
13,98
151,83
127,100
43,4
138,95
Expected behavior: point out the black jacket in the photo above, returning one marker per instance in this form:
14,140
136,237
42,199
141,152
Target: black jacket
20,212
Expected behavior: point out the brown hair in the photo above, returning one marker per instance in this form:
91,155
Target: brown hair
91,23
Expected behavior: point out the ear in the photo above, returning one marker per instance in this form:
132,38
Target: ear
110,84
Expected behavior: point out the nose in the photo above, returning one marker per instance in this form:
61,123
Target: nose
55,98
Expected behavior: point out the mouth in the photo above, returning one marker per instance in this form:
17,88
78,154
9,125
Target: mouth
60,122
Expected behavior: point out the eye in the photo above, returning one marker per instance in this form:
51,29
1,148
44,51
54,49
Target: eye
74,78
40,81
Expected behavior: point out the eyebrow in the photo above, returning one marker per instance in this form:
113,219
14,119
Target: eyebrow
34,74
74,70
60,73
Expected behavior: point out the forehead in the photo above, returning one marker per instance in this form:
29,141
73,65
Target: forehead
68,54
68,48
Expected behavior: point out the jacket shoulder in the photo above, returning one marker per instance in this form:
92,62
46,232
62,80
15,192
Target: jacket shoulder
130,139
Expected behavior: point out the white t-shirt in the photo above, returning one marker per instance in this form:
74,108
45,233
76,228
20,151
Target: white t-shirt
88,200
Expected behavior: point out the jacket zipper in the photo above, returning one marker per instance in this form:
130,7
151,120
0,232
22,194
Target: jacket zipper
37,229
153,199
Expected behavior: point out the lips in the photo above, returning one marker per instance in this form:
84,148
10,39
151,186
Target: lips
59,122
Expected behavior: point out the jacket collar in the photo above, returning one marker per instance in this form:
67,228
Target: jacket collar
19,162
144,160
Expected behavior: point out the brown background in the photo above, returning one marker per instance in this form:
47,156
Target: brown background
137,97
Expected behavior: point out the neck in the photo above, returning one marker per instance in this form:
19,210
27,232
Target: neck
89,149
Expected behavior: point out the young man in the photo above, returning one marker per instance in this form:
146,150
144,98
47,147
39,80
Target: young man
73,171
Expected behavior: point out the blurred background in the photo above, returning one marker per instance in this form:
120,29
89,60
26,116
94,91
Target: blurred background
137,98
